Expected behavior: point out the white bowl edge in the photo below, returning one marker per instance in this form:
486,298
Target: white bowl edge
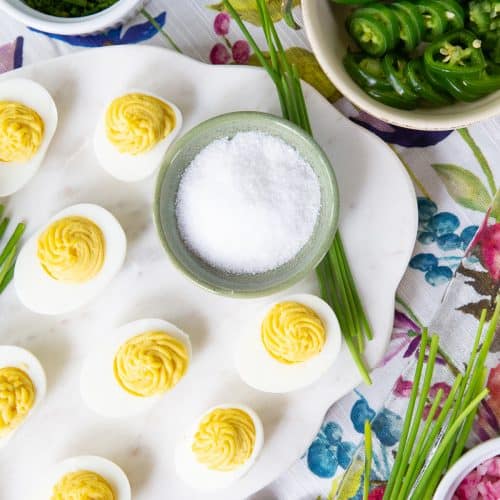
452,479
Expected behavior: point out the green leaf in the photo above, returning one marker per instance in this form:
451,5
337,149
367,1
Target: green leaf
464,187
247,9
495,207
309,70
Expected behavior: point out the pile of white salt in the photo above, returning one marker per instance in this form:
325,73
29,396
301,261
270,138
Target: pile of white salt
247,204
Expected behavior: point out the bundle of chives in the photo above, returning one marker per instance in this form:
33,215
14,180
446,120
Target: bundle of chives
414,476
9,252
336,281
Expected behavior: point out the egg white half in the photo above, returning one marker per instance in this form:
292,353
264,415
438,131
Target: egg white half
200,477
261,371
98,386
41,293
113,474
126,167
13,176
17,357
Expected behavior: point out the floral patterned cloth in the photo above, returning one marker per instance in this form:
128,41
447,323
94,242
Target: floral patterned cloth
455,269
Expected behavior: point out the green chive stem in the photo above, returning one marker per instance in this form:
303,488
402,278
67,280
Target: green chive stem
3,226
368,460
9,260
16,236
448,438
7,278
417,417
398,463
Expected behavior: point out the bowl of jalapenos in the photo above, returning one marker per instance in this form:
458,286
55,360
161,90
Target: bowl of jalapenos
421,64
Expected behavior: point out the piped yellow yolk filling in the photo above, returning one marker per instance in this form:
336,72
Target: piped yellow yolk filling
21,132
72,249
17,396
292,333
225,439
150,363
135,123
82,485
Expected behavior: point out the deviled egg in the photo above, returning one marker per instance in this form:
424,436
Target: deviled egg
133,134
85,477
70,260
290,345
22,387
220,448
28,120
137,364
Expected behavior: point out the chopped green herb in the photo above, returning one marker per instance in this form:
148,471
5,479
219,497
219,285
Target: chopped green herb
70,8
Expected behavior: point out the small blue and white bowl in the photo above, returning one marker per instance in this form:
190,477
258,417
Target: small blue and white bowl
114,15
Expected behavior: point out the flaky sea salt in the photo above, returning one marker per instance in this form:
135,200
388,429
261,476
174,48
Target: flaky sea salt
247,204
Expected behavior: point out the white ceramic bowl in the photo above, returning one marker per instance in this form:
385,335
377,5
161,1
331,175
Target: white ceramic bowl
324,23
452,479
112,16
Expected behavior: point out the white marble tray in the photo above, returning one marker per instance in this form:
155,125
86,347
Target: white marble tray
378,223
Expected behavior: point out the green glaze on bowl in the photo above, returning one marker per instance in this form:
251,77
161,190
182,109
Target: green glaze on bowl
181,154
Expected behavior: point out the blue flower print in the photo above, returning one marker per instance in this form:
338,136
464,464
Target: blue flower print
441,229
360,412
135,34
387,427
386,424
328,451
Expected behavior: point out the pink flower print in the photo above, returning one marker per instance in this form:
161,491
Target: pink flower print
402,388
493,385
486,245
219,54
221,24
241,52
490,250
11,55
377,493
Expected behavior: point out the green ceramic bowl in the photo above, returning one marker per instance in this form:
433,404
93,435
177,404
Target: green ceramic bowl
180,155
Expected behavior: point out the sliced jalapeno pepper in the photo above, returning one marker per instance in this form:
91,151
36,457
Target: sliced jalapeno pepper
391,98
394,68
480,15
455,55
487,83
435,20
416,76
491,45
461,93
414,18
369,33
366,71
454,12
492,68
385,15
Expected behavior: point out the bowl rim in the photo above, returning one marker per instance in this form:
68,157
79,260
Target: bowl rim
228,292
394,116
474,457
71,25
